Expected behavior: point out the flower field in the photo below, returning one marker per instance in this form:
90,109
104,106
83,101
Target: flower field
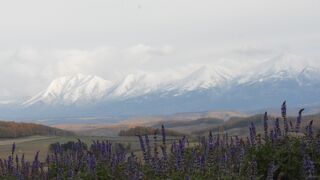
284,150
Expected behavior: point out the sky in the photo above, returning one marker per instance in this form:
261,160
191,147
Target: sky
41,40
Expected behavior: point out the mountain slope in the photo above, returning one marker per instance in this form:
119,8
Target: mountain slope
14,130
83,90
78,89
202,88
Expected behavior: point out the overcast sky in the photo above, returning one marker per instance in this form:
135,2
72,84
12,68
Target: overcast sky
41,39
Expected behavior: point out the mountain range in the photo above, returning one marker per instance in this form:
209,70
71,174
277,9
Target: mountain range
204,88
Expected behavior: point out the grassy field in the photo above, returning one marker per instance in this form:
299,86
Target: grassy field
30,145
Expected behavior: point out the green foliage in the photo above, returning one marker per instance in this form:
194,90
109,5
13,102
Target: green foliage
286,153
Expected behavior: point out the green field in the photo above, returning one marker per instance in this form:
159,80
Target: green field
30,145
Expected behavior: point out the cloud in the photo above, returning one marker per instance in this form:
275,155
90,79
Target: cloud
144,53
27,70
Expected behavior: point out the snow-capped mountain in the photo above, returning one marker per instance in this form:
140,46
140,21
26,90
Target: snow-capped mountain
198,89
282,67
134,85
77,89
202,78
85,89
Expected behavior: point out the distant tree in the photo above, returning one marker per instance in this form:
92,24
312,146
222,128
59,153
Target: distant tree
139,130
65,146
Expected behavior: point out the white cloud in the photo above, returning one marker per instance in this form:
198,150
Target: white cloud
26,71
112,38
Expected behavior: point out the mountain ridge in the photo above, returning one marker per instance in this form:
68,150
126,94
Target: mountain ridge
203,88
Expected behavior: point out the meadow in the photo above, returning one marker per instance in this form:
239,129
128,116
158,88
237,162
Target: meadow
30,145
282,150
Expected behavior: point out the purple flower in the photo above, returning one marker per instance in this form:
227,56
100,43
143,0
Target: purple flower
13,148
271,170
91,162
17,161
309,129
277,128
299,118
252,129
265,125
164,146
143,149
284,109
253,173
155,148
284,116
202,163
308,165
148,152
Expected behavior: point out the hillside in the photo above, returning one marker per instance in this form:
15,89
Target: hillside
13,130
239,125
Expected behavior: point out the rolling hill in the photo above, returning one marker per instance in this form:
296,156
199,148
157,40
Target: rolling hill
14,130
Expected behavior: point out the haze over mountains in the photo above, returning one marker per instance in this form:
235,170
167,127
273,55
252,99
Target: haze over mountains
204,88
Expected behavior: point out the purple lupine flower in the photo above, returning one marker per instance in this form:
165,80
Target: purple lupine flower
181,150
13,148
163,132
227,139
143,149
299,118
155,148
271,170
10,163
241,154
253,173
252,134
91,162
148,152
164,146
224,161
265,125
60,174
284,116
17,162
35,164
202,163
318,142
277,128
284,109
22,160
310,130
308,165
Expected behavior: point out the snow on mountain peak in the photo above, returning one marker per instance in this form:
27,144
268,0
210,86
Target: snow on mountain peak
203,77
285,66
83,89
135,85
72,89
